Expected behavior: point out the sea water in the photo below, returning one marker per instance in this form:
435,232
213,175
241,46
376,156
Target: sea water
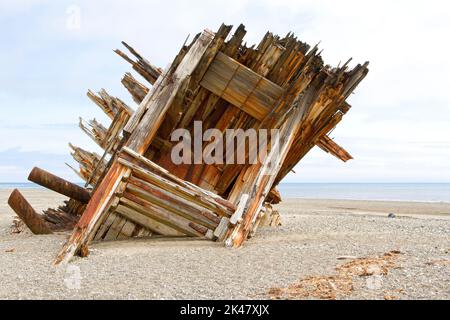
425,192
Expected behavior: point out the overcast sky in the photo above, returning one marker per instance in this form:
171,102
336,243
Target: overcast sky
398,129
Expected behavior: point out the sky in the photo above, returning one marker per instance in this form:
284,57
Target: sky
398,129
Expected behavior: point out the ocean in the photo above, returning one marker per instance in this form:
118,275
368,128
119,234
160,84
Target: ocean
423,192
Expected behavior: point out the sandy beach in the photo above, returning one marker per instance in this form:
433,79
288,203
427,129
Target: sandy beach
315,235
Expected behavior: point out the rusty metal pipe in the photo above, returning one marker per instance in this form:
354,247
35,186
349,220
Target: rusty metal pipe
26,212
57,184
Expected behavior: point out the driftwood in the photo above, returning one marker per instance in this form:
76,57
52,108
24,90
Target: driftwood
25,212
135,189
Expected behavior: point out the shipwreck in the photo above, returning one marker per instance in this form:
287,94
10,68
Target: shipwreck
134,189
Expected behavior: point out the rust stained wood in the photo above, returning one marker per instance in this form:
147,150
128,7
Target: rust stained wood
59,185
293,90
186,191
262,177
159,214
115,228
100,202
162,98
317,124
241,86
205,106
137,90
26,213
216,200
101,232
172,203
140,139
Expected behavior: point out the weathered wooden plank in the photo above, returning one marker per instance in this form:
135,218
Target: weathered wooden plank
173,203
115,228
105,226
142,65
162,99
241,86
88,161
127,230
261,178
216,200
159,214
328,145
194,194
221,230
147,222
237,215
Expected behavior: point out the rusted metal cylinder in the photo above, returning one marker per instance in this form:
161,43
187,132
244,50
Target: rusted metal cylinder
57,184
26,212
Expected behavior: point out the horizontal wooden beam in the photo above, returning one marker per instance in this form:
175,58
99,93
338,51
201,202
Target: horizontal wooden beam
217,201
241,86
137,217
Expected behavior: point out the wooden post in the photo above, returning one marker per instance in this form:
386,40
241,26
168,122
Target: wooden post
57,184
26,212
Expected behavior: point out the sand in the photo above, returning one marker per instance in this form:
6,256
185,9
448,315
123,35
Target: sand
314,234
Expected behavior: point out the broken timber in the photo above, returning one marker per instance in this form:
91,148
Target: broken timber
134,189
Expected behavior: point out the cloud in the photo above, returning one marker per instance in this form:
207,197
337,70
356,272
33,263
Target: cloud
397,129
15,165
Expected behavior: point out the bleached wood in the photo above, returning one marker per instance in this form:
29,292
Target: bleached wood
237,215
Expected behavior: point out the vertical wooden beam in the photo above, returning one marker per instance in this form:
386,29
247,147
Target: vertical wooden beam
261,178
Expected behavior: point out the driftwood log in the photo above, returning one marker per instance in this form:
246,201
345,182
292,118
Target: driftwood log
59,185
